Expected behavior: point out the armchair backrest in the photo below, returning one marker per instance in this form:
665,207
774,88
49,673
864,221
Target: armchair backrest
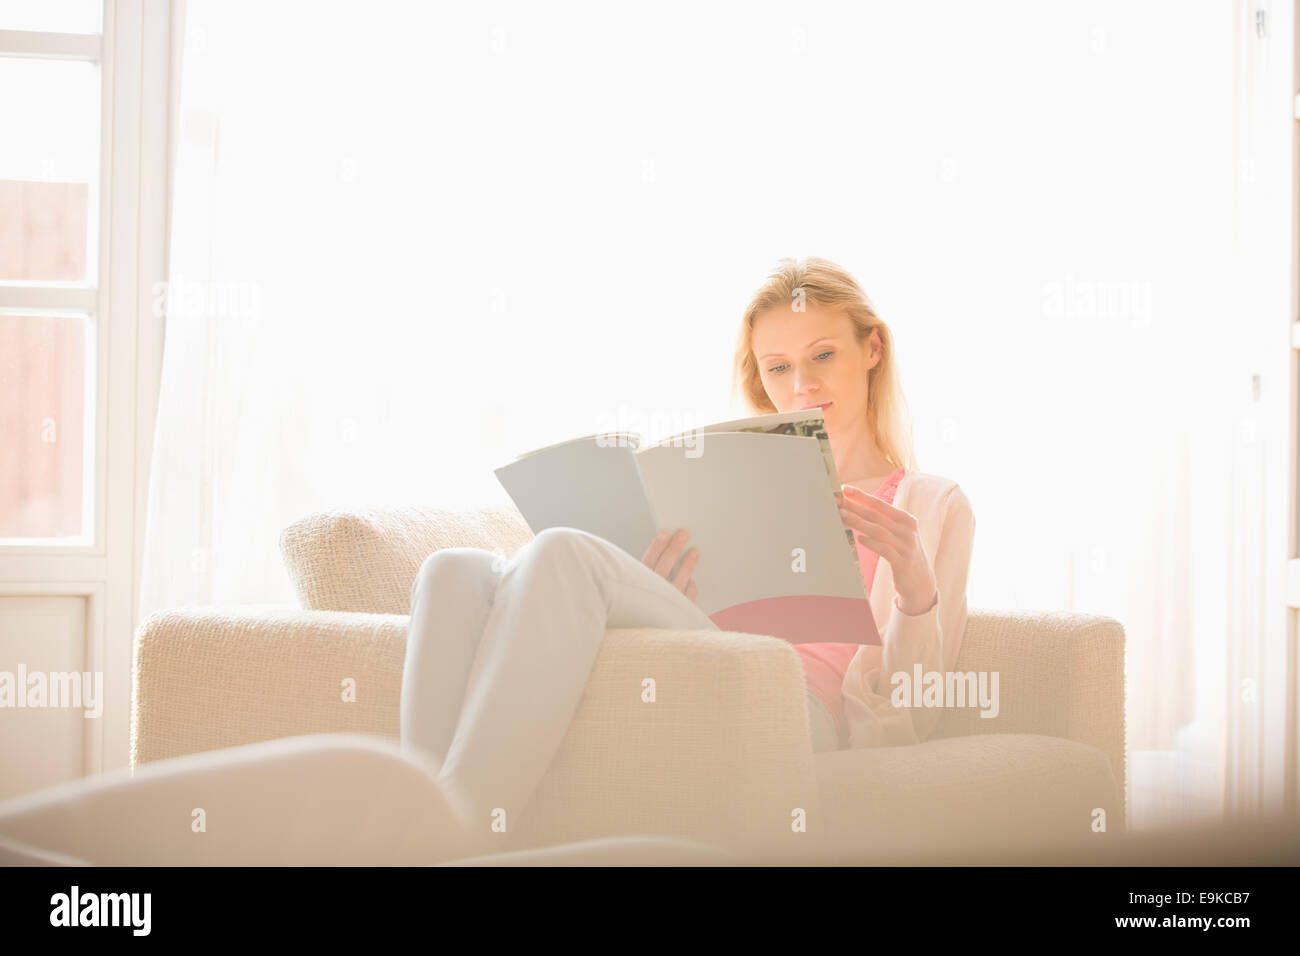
366,560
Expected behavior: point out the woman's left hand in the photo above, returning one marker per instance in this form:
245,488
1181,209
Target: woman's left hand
892,534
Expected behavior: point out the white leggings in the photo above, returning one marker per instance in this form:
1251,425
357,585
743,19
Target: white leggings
497,657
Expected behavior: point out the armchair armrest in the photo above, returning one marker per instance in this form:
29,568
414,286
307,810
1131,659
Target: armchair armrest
719,752
207,678
1060,674
722,753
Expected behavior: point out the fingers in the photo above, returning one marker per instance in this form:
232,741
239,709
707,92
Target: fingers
658,545
682,579
855,496
668,557
663,552
654,549
691,590
888,552
870,518
876,517
875,536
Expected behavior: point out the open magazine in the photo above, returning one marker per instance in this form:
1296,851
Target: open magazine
758,496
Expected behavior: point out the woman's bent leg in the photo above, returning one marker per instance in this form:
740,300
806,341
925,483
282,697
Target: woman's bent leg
450,600
554,601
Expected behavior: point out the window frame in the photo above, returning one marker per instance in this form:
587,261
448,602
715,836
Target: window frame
137,50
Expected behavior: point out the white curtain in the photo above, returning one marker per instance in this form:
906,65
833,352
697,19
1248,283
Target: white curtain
412,240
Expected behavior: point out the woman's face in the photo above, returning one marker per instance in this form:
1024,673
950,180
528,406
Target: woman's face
811,358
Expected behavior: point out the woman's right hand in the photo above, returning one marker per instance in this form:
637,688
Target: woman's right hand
663,553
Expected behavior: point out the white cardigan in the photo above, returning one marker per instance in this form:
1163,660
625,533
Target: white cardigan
946,525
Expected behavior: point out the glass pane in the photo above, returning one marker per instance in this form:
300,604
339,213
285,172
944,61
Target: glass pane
49,169
53,16
42,425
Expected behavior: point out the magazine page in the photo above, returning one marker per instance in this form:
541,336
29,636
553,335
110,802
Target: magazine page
805,422
808,422
592,483
760,509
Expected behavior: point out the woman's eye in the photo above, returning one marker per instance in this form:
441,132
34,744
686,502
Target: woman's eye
777,369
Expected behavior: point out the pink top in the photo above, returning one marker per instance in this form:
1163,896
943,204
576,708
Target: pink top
931,640
824,665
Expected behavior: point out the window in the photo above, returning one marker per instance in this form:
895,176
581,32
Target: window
51,173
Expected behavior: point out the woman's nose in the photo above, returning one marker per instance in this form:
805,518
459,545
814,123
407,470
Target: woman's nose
804,382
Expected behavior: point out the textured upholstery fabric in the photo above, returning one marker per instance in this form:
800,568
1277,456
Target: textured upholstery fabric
367,560
1061,674
721,756
994,791
208,678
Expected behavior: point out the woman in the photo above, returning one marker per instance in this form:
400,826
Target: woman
498,653
810,337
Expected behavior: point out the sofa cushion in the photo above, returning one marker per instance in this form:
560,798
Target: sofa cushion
366,560
990,791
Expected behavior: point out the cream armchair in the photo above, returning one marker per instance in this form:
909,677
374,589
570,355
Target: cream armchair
722,757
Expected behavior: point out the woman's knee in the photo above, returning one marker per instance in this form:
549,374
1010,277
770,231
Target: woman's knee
563,544
459,569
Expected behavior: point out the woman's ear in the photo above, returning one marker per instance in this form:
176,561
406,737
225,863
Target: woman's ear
873,350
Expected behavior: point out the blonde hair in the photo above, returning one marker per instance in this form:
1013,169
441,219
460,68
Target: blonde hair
825,283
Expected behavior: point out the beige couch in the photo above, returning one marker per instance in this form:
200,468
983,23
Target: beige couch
724,758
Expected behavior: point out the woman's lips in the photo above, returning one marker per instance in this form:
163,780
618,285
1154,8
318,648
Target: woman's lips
822,405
